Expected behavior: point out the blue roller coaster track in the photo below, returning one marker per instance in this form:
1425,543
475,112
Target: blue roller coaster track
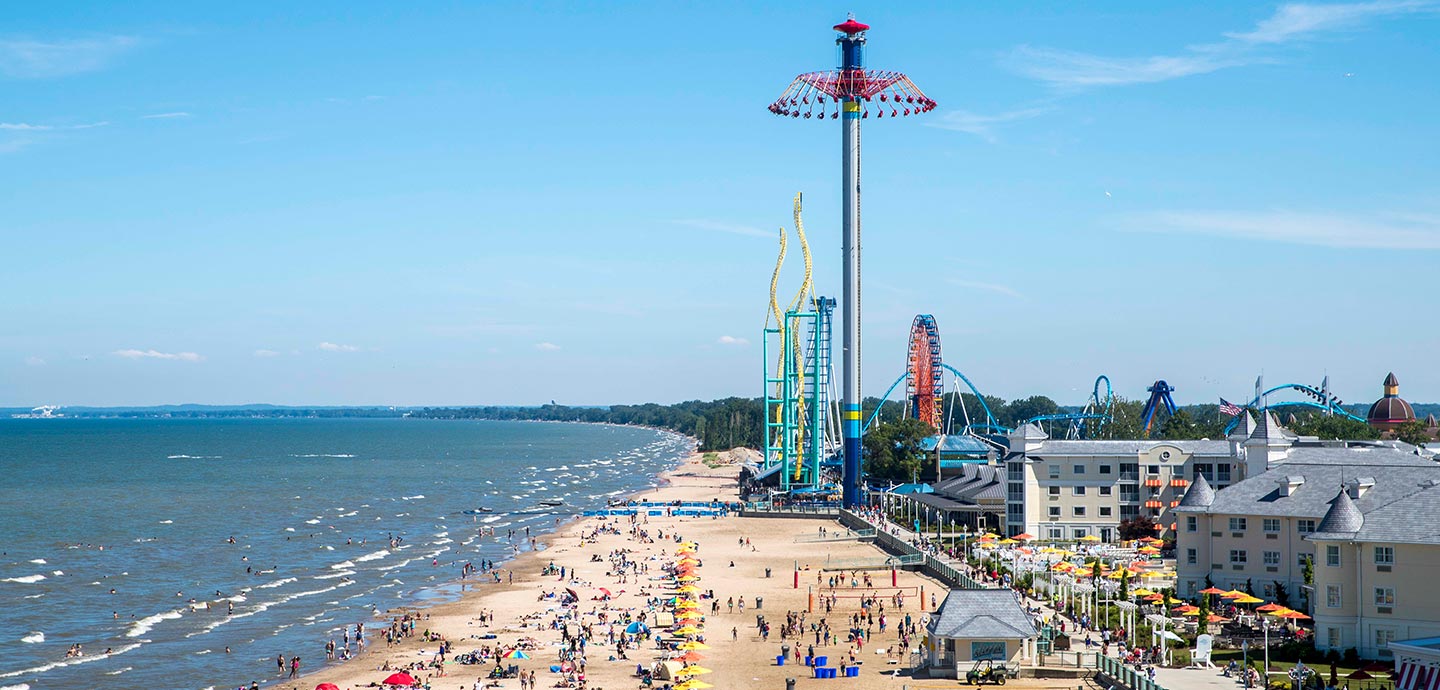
1079,422
1323,400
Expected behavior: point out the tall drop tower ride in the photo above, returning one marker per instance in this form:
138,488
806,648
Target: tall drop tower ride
850,94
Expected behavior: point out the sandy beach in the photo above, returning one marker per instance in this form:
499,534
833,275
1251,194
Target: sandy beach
735,554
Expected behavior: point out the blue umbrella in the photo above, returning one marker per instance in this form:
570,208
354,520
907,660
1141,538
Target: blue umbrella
636,628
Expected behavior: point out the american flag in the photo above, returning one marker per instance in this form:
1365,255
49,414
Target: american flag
1227,407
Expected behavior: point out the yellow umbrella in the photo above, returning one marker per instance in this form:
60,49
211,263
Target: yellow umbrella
689,630
1008,541
687,578
1089,537
1141,592
692,671
688,589
692,645
688,544
1247,599
693,685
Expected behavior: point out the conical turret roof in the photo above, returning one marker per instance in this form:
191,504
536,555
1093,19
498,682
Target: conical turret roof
1199,495
1269,429
1244,426
1343,519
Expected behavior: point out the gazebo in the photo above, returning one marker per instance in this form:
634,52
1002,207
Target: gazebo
978,625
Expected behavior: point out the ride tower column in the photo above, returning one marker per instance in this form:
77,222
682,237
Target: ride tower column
852,66
850,94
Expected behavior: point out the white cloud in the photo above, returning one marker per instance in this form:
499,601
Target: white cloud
266,353
547,347
34,362
987,287
981,125
164,116
1290,22
336,347
721,226
732,340
28,59
156,354
1371,231
27,127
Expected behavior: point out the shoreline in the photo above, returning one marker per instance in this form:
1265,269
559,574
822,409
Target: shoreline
456,591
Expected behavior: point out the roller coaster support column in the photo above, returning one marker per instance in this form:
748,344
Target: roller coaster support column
852,62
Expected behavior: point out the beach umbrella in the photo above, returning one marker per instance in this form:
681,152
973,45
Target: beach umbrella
327,686
400,678
1090,538
692,645
1270,607
693,685
1247,599
516,654
573,594
1233,594
1359,674
688,544
1024,536
688,589
689,630
1212,590
693,671
606,592
636,628
689,657
688,578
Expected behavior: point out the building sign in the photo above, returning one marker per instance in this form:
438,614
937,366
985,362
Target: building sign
987,651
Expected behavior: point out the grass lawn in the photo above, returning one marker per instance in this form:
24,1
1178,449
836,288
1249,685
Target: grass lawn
1280,669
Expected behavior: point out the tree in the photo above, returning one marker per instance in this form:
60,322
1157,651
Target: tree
1018,411
892,451
1250,586
1137,527
1203,617
1182,425
1308,572
1282,595
1413,432
1125,585
1333,427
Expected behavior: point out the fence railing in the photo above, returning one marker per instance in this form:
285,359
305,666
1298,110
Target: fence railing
1126,676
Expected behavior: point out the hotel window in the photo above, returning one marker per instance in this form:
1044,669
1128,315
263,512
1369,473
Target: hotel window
1270,524
1332,596
1078,490
1202,469
1192,523
1129,468
1305,526
1272,558
1105,490
1269,590
1079,469
1332,555
1383,638
1238,557
1057,533
1079,511
1384,555
1300,559
1153,469
1190,556
1222,474
1054,511
1079,533
1054,491
1105,511
1054,471
1384,596
1105,469
1237,524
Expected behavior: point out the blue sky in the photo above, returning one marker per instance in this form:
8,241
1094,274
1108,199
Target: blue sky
363,203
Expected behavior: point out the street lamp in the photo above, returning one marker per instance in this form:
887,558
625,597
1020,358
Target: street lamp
1245,656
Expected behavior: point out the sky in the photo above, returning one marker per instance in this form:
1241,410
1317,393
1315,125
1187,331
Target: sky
511,203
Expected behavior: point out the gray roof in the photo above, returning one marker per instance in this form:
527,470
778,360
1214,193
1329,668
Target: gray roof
941,502
1342,520
1402,507
1244,427
1087,448
974,484
1199,495
982,614
1269,429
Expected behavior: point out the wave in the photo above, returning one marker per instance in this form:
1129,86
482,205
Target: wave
182,456
34,596
314,521
331,576
401,564
22,686
372,556
167,522
144,625
416,497
26,580
119,671
34,638
343,565
74,661
277,583
38,561
322,455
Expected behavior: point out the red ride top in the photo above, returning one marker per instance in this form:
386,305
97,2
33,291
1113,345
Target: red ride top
852,27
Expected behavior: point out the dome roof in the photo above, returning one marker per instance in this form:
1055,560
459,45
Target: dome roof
1390,409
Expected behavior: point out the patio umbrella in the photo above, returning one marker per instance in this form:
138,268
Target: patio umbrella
1008,541
1269,607
1141,592
1090,538
1187,609
1155,597
327,686
692,645
1233,594
1293,615
1024,536
692,671
1375,667
400,678
1212,590
1247,599
516,654
1359,674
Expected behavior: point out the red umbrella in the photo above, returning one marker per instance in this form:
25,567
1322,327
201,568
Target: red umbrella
401,678
573,594
327,686
1359,675
606,592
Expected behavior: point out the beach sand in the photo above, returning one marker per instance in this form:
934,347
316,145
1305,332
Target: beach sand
744,662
